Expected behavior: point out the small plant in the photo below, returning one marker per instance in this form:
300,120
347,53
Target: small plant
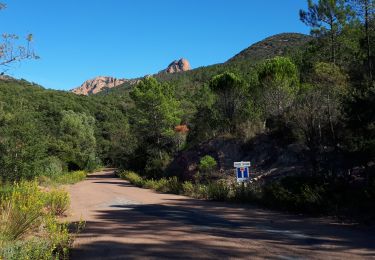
133,178
173,185
57,201
188,188
250,192
69,178
20,211
207,164
218,190
27,229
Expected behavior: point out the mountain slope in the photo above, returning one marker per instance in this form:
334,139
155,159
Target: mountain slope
101,83
278,45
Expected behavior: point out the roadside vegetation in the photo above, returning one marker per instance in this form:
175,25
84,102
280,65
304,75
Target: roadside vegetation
30,212
294,194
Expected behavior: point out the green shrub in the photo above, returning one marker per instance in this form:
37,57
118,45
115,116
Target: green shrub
249,192
188,188
69,178
207,163
36,248
201,191
27,229
20,211
218,190
133,178
162,185
52,166
150,184
299,194
173,185
57,201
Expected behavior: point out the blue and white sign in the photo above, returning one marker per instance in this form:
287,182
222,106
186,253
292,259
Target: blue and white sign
242,171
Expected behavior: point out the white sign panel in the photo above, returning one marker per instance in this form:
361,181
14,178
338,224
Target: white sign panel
241,164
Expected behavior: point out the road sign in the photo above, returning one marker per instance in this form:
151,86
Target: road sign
241,164
242,171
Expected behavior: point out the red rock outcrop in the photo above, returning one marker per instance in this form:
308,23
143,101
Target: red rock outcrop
178,66
98,84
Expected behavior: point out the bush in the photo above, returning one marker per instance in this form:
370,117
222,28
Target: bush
188,188
29,229
201,191
173,185
249,192
20,211
150,184
57,201
161,185
297,194
36,248
52,166
207,163
133,178
69,178
218,190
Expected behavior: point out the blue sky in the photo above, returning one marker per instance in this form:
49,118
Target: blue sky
80,39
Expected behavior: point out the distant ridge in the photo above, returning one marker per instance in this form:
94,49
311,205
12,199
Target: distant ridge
276,45
98,84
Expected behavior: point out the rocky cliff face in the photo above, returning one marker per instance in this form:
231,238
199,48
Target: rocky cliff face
178,66
98,84
101,83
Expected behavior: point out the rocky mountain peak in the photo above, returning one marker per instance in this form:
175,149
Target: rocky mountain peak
178,66
98,84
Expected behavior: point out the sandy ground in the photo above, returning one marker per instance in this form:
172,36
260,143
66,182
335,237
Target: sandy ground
126,222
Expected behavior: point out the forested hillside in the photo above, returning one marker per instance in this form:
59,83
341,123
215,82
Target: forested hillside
314,93
50,132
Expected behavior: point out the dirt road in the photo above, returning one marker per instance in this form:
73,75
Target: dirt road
125,222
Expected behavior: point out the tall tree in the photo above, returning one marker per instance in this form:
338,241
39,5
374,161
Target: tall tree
231,99
278,78
78,142
365,11
154,117
333,85
326,16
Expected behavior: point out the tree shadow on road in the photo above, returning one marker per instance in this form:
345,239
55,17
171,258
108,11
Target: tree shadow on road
180,231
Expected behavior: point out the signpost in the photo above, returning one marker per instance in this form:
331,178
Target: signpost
242,171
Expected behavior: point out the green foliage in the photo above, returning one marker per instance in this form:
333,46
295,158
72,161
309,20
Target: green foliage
207,163
279,84
187,188
218,190
22,146
79,143
246,192
57,201
43,131
20,211
326,17
28,225
155,115
61,179
133,178
231,101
